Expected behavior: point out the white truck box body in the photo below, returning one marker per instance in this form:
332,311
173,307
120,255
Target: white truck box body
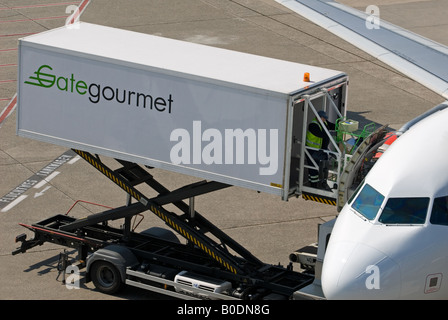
161,102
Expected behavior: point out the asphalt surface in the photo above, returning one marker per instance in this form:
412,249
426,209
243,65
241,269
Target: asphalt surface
265,225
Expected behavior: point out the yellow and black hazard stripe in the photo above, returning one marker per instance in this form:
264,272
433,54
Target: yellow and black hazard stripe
170,220
319,198
187,233
110,174
182,230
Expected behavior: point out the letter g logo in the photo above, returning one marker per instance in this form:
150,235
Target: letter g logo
42,82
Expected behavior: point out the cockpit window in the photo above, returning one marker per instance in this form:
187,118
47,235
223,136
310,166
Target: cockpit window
439,214
352,197
368,202
405,211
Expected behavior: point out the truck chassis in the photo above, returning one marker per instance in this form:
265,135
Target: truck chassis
210,265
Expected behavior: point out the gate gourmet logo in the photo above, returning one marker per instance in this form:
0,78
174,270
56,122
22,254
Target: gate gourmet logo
211,146
46,79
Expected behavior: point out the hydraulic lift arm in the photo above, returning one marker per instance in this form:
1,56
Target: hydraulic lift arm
190,224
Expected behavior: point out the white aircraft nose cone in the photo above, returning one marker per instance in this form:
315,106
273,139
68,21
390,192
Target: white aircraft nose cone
357,271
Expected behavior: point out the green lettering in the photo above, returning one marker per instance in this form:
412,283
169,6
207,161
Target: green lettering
72,80
42,78
42,82
65,81
81,85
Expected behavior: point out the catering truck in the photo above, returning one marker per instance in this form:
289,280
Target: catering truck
230,118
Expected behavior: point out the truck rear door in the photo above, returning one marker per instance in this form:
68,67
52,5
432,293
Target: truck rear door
305,108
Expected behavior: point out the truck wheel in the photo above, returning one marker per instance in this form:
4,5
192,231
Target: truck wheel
106,277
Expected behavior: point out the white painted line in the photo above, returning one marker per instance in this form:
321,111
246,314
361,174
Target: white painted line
38,194
47,179
14,203
74,160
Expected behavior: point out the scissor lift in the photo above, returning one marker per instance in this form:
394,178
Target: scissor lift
158,261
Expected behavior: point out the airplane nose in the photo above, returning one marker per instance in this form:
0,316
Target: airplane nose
359,271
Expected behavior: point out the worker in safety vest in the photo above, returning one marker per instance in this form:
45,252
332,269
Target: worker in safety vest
317,138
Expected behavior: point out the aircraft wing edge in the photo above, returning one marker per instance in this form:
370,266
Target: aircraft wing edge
396,60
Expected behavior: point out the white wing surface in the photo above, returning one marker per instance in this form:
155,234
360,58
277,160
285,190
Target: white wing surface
421,59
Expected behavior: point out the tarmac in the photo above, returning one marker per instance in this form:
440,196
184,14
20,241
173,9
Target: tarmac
267,226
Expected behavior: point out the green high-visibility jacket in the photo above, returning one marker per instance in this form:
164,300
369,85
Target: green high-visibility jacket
312,140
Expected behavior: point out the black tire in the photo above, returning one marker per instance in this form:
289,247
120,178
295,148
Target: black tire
106,277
